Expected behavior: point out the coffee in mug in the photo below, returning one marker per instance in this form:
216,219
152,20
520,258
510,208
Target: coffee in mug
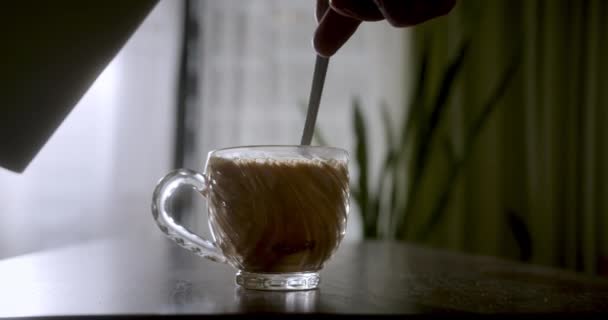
276,213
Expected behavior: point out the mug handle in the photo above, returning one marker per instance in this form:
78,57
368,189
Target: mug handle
165,189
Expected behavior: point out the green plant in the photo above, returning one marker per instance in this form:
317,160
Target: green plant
408,152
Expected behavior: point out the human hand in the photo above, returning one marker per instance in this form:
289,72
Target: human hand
339,19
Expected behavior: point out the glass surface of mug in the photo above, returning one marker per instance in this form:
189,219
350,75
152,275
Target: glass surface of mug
276,213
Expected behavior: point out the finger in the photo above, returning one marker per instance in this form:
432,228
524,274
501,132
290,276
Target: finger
332,32
365,10
404,13
322,6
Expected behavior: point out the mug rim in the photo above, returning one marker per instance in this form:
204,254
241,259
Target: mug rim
295,146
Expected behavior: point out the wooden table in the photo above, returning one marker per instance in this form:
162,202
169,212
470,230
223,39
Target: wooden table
127,276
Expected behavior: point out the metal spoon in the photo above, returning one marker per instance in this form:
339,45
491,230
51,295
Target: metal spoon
318,80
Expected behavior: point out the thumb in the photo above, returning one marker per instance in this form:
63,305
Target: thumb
332,32
322,7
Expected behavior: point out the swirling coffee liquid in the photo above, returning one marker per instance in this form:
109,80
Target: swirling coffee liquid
278,215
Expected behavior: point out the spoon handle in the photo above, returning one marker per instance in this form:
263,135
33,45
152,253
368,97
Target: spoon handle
318,80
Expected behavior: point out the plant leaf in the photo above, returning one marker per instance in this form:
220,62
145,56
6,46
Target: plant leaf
521,233
389,132
411,119
490,104
440,105
416,106
473,133
438,210
362,165
386,171
429,127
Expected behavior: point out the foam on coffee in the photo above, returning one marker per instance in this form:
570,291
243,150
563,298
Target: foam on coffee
277,215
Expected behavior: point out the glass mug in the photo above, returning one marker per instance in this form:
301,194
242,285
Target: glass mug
276,213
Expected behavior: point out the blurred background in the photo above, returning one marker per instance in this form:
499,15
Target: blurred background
480,132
